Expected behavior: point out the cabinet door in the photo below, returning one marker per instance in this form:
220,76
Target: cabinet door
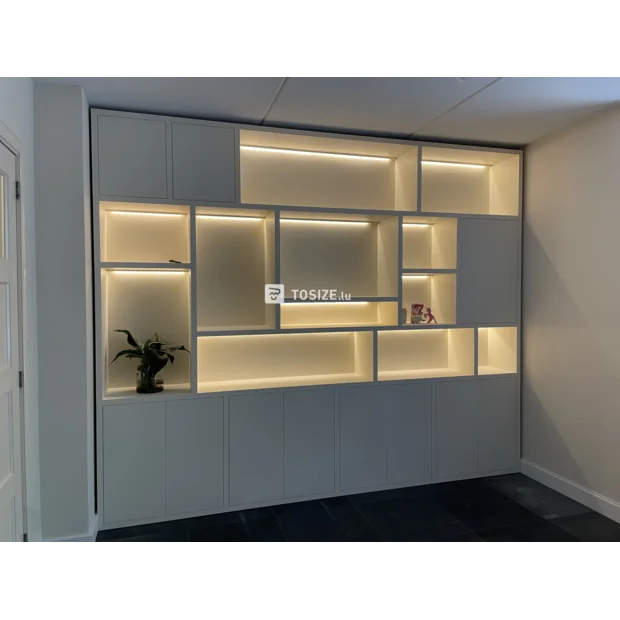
194,455
132,157
456,428
488,271
498,424
256,448
203,162
361,412
409,432
134,462
308,442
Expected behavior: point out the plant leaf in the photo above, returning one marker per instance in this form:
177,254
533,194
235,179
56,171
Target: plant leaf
130,339
127,353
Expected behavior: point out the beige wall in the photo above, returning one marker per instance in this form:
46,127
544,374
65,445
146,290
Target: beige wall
571,305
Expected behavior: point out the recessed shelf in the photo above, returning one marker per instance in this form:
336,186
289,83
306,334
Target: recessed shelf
469,181
289,170
429,243
417,354
436,291
281,360
338,314
144,233
497,350
171,390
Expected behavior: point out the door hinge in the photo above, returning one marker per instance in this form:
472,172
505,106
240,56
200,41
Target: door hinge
21,378
18,190
25,537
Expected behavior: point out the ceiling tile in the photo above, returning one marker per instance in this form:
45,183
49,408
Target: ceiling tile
385,106
226,99
520,110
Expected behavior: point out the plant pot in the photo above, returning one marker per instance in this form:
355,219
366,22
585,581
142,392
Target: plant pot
148,384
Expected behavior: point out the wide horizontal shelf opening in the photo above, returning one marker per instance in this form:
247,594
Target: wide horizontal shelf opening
425,354
281,360
348,256
289,170
469,181
235,259
497,350
144,233
144,302
338,314
429,295
429,243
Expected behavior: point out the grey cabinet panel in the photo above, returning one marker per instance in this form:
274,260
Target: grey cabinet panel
497,424
134,462
194,455
309,450
488,273
409,432
203,163
256,448
132,157
456,428
362,437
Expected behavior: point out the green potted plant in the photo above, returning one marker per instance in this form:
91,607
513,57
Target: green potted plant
153,355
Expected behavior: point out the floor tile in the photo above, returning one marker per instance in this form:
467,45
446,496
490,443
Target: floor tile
538,498
538,531
591,527
307,521
352,525
466,537
484,508
223,532
411,519
179,536
262,529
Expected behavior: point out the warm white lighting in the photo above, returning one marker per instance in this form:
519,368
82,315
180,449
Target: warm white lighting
426,162
149,271
420,277
417,225
231,217
327,303
314,153
147,213
300,221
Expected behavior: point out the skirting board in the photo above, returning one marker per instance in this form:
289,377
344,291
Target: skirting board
604,505
92,537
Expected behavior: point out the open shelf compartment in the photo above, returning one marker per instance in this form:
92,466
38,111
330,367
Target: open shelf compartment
429,242
497,350
425,354
470,181
338,314
145,302
235,258
306,171
435,291
144,233
281,360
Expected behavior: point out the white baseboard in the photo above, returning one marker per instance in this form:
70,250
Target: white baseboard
92,537
593,500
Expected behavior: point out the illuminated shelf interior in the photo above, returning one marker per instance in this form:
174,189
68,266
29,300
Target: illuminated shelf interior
429,243
291,170
425,354
436,291
497,350
281,360
469,181
338,314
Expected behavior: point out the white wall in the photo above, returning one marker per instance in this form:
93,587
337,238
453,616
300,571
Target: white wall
571,309
16,126
64,288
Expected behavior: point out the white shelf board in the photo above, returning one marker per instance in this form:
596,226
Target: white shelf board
146,266
114,395
494,370
423,373
427,271
290,300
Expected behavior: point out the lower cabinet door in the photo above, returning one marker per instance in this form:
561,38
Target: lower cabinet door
456,428
498,424
256,448
194,455
134,462
362,433
409,433
309,450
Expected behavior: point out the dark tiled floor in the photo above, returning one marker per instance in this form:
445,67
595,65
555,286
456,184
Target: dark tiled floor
503,508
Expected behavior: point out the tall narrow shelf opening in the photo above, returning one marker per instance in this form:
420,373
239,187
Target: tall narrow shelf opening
141,233
435,291
352,255
235,258
469,181
429,243
425,354
497,350
145,302
338,314
293,170
281,360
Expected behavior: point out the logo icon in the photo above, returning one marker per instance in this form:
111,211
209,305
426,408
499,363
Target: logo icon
274,293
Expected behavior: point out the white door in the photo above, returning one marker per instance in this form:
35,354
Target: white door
11,493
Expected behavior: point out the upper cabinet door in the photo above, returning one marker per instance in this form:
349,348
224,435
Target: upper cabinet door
203,163
132,157
488,271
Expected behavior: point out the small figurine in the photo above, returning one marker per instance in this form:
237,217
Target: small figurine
429,316
403,316
417,313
